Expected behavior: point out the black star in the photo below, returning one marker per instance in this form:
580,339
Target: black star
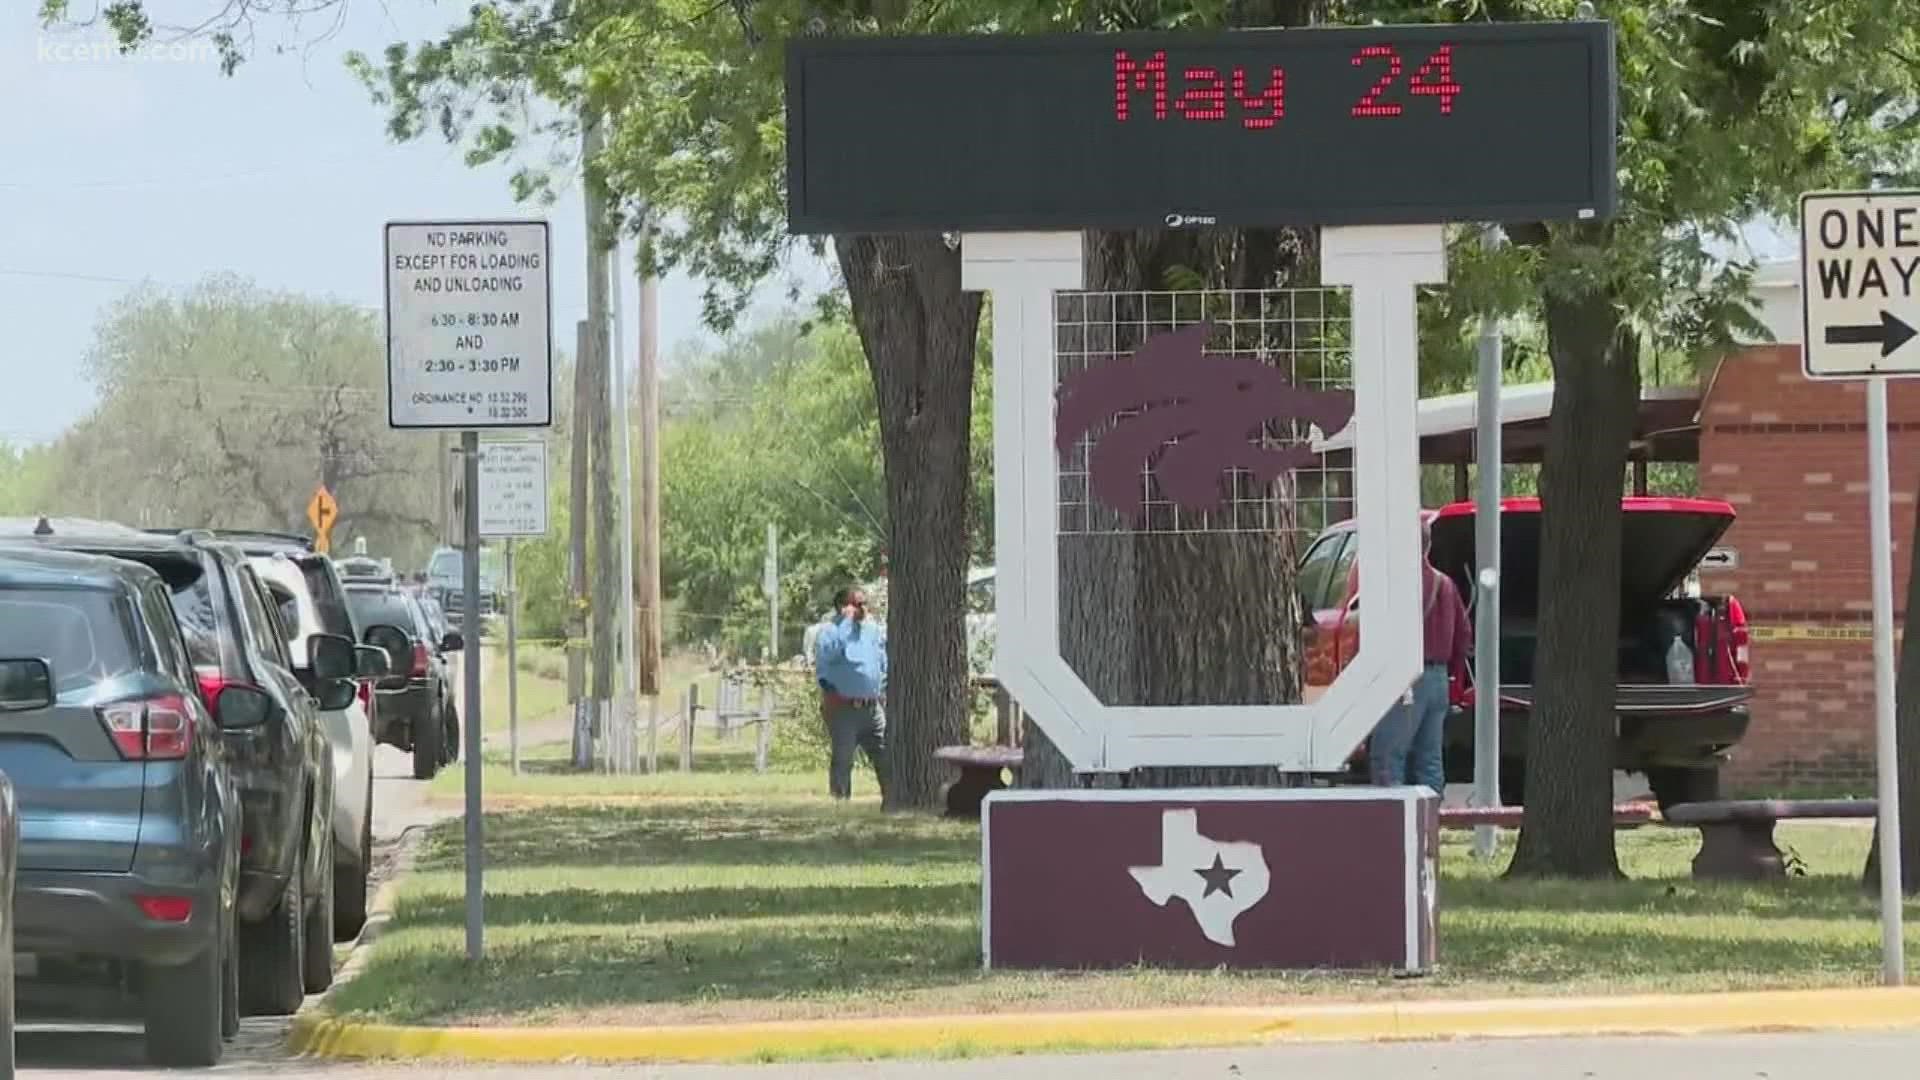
1218,878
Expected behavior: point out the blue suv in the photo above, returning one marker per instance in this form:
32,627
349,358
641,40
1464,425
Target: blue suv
130,822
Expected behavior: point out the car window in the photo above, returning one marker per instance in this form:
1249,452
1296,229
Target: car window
446,564
1342,572
264,633
193,607
287,607
1316,571
167,635
379,607
328,602
86,636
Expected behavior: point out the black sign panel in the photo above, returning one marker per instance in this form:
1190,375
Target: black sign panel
1346,126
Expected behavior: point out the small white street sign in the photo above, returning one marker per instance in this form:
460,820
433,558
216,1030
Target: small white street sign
1860,283
513,488
469,324
1721,558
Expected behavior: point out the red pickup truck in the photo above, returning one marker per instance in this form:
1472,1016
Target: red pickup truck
1677,714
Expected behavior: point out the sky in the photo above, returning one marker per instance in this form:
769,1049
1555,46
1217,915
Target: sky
120,170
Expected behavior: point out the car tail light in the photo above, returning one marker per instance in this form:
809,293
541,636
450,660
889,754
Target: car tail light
1742,641
169,909
365,695
158,728
419,659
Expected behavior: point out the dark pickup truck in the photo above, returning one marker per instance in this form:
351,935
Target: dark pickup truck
1677,713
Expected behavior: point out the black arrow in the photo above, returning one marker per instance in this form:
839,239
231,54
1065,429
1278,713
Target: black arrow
1890,334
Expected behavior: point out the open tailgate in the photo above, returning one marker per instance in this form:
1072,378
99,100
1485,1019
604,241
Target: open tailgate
1631,699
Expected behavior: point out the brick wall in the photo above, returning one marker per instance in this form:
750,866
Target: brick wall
1790,455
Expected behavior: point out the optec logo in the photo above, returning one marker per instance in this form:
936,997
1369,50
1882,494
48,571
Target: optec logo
99,50
1175,221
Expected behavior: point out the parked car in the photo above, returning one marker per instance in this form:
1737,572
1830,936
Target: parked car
282,765
129,821
9,869
446,583
309,600
416,711
1676,725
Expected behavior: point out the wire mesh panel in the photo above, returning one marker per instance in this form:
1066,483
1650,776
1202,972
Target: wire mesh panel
1187,486
1304,335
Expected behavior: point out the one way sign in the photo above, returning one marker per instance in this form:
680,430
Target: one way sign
1860,283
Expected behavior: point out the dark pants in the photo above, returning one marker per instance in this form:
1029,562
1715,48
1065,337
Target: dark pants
855,727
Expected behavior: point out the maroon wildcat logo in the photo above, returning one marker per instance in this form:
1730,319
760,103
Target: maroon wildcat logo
1213,406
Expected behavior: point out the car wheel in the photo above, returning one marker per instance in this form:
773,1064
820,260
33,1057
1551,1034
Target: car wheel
273,983
1674,786
317,965
427,736
183,1010
450,732
350,882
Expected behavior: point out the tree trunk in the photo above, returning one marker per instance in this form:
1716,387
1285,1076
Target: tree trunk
1567,828
1907,697
917,328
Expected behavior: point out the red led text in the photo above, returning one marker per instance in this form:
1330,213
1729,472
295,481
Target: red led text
1433,79
1204,91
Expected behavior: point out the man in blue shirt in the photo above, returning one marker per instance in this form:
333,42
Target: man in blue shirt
850,659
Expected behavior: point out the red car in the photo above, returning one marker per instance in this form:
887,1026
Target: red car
1678,712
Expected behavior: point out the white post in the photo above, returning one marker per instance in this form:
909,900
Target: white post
513,666
1879,513
1488,456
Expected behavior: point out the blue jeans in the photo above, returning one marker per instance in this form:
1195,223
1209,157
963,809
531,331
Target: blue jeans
1405,748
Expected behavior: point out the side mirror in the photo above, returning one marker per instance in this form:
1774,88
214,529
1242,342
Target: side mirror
241,707
337,694
369,662
330,657
453,642
396,644
25,684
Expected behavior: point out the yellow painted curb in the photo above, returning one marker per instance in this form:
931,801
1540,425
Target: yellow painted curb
1014,1032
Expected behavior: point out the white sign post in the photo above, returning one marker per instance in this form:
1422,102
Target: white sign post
1859,254
513,488
470,346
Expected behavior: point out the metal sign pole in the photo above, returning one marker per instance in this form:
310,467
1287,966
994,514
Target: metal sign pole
513,665
1879,513
470,661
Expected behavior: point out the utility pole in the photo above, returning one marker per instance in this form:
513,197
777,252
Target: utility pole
577,549
647,642
627,712
586,391
606,540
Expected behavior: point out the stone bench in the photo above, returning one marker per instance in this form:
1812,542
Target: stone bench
1736,838
1625,816
980,773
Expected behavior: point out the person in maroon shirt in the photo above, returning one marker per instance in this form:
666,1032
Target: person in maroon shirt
1405,747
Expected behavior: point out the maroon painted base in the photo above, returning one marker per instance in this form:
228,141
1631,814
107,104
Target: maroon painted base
1242,878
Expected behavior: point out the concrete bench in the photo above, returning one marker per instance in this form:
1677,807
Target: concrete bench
1736,838
1625,816
980,773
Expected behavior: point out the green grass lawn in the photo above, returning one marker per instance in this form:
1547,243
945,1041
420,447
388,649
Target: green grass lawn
692,904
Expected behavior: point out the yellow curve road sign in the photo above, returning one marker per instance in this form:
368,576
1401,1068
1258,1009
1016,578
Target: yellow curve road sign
322,512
